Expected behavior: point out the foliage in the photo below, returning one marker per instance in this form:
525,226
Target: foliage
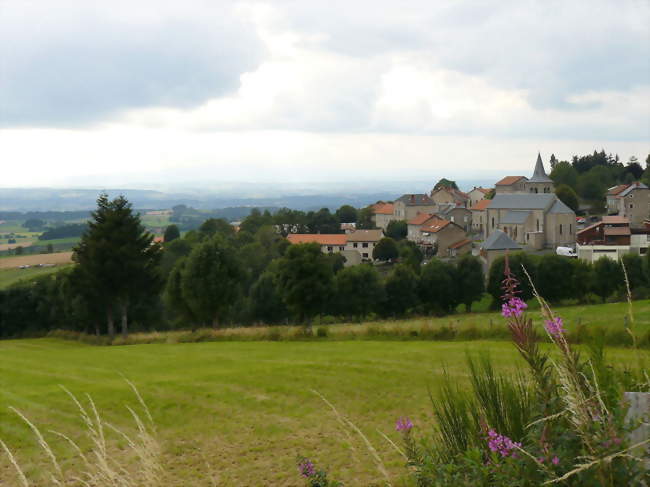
470,280
410,255
518,261
437,287
445,183
568,196
313,477
358,290
64,231
397,229
347,214
401,290
305,278
564,174
608,277
171,233
551,266
386,249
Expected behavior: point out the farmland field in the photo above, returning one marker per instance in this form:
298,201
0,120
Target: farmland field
237,411
13,275
35,259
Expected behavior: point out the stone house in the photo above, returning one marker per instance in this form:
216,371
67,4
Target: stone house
496,245
510,184
479,216
383,214
449,196
408,206
459,215
441,234
476,194
632,201
364,241
414,225
535,220
355,246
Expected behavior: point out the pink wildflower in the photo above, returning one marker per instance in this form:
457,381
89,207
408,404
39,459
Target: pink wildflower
555,327
514,307
555,460
306,468
403,424
501,444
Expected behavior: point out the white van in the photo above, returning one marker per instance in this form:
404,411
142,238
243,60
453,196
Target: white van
566,252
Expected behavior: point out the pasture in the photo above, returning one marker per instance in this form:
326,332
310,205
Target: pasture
35,259
237,413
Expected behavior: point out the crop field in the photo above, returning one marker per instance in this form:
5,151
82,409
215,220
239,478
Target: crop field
13,275
35,259
236,413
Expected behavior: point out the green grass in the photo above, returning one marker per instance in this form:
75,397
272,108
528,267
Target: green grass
244,408
58,241
12,276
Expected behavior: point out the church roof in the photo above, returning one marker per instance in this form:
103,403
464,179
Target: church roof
539,176
498,240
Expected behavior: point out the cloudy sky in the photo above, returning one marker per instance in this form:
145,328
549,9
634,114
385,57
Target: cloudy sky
155,92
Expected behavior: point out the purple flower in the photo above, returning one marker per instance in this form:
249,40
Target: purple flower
403,424
555,327
514,307
555,460
501,444
306,468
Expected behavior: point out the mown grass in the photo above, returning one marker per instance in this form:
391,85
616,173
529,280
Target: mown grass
237,411
12,276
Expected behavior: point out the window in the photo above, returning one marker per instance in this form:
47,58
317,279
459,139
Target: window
329,249
365,255
355,245
527,237
492,222
570,228
631,206
560,229
341,248
364,245
538,224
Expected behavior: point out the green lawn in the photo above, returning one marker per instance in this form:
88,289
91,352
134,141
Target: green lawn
12,276
243,408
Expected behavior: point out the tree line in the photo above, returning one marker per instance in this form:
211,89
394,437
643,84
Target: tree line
216,276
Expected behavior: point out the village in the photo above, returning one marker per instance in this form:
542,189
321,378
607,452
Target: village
518,214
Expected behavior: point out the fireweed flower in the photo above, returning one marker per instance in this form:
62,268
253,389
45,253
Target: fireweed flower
555,460
501,444
403,424
555,327
514,307
306,468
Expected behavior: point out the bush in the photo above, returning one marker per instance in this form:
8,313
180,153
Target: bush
321,332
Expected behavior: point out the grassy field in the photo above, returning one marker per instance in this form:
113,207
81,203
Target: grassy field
35,259
238,412
12,276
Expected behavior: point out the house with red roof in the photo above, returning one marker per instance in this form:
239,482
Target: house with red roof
383,214
355,246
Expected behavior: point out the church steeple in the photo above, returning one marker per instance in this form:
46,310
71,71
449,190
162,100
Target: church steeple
539,176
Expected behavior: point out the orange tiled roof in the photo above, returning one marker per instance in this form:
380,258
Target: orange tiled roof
460,244
615,220
482,190
617,189
437,225
481,205
383,208
319,238
420,218
508,180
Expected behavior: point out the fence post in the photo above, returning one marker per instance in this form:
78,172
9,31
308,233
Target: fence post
639,411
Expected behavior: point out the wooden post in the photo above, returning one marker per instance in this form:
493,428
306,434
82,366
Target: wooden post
639,411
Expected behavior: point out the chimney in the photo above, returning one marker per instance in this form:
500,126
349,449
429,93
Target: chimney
412,198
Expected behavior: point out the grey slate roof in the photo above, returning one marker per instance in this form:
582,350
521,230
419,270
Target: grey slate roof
539,176
498,240
416,200
560,208
522,201
631,188
514,217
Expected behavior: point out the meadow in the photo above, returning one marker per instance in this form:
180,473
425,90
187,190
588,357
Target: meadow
237,413
10,276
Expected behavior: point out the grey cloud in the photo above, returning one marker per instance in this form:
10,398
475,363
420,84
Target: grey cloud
59,69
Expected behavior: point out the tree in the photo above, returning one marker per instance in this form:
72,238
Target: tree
267,303
591,187
50,248
438,289
397,229
171,233
305,278
34,224
214,226
490,194
323,221
634,168
386,249
358,290
364,218
118,258
567,196
608,277
470,280
401,290
582,278
445,183
210,280
173,295
554,278
635,271
564,173
517,261
410,255
553,161
347,214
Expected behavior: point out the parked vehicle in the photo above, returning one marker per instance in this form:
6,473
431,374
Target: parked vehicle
566,252
580,221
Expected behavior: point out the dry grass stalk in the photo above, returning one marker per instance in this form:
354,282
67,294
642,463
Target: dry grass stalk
16,465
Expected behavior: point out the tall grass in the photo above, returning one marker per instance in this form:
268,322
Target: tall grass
97,463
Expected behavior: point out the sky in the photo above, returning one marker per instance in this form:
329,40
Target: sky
157,93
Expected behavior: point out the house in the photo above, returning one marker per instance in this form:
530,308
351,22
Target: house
348,227
383,214
631,201
355,246
414,225
459,215
477,194
510,184
449,196
613,238
496,245
533,220
408,206
479,216
539,182
437,235
459,248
